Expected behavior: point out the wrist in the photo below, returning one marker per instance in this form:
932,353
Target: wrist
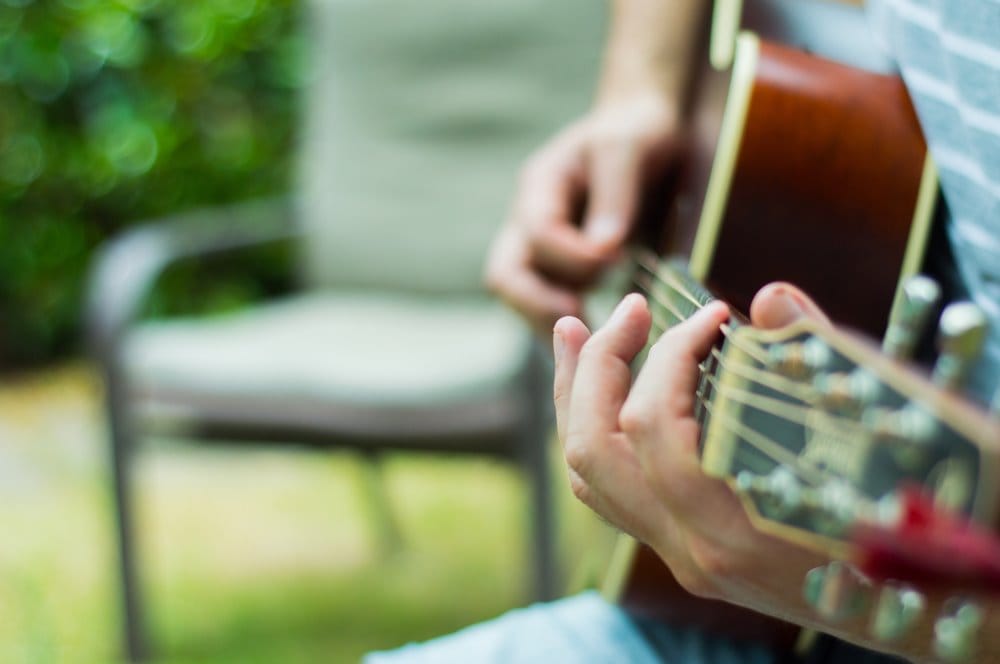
651,48
641,113
633,75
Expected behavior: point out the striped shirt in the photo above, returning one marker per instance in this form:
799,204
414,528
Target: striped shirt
948,52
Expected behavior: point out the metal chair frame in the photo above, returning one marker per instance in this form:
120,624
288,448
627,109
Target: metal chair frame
124,276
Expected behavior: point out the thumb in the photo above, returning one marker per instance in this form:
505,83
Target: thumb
780,304
615,188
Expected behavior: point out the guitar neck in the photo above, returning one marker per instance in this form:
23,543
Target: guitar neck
816,430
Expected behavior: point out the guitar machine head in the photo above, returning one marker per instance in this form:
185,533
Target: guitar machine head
890,471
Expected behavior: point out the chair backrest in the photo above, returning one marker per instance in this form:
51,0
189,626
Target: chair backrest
417,118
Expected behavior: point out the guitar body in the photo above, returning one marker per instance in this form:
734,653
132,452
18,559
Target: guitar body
798,169
827,174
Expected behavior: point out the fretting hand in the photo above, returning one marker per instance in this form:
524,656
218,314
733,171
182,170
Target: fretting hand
631,450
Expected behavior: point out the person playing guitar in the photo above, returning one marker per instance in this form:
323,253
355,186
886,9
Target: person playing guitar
630,439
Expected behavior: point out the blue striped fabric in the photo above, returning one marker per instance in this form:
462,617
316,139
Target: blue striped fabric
949,54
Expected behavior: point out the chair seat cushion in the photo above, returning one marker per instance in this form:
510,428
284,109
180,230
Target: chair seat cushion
355,363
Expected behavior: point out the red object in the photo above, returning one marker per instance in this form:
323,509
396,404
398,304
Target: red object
930,546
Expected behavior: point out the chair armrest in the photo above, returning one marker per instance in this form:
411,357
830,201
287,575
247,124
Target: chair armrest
127,267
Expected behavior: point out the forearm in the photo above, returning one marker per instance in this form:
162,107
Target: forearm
651,48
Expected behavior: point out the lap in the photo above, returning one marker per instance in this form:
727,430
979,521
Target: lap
582,628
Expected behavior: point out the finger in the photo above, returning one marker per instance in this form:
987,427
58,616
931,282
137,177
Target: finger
780,304
541,302
561,252
511,276
568,337
547,206
616,180
603,374
662,399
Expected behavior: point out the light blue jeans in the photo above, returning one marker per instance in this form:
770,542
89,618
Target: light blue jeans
582,628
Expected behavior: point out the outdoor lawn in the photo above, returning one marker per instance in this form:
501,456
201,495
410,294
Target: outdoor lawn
251,556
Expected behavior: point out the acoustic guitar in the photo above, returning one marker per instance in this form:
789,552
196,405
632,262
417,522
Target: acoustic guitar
809,170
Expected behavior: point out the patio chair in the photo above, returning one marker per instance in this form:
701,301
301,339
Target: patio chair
416,118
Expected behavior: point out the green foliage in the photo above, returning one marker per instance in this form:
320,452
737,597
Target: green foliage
113,111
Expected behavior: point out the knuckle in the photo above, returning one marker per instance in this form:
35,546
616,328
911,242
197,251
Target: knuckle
592,350
694,582
577,457
580,489
634,420
664,347
713,561
662,352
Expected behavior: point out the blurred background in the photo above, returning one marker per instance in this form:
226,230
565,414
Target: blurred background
113,112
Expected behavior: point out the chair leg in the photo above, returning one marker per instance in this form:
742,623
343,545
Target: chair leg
535,458
388,535
543,526
134,634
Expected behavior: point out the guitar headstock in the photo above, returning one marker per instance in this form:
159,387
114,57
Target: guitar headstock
852,450
818,430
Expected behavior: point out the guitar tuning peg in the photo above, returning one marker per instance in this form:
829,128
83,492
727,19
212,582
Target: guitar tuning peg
962,332
846,392
837,591
955,632
778,493
799,360
907,432
918,297
896,611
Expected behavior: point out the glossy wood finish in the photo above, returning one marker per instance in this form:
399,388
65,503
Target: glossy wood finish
825,188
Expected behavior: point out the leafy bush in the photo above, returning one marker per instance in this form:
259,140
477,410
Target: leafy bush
112,111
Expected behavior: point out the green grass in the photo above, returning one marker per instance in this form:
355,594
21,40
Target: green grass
249,556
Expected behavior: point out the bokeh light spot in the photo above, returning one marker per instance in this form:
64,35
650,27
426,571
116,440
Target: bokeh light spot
189,32
10,20
22,160
118,37
43,73
132,148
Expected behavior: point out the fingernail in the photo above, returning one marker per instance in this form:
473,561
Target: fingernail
786,308
558,346
619,313
604,228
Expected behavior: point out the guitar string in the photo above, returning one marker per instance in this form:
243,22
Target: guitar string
761,441
764,444
754,350
788,412
750,348
778,383
784,410
748,371
809,472
775,382
863,504
647,262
